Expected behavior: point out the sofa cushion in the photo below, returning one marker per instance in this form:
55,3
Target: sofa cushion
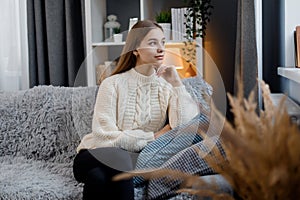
200,90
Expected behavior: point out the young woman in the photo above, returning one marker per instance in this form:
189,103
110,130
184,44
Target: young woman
131,110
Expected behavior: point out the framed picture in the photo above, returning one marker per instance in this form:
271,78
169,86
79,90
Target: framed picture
132,21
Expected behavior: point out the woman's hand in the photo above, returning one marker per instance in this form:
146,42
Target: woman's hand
165,129
169,73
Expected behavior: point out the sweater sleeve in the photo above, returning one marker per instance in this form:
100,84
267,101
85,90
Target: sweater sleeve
104,124
182,107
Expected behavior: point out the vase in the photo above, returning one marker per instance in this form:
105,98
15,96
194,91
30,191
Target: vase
118,37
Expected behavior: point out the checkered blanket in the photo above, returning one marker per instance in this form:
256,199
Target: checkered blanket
178,150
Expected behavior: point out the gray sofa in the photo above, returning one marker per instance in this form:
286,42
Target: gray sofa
40,129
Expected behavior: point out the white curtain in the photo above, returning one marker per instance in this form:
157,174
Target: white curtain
13,45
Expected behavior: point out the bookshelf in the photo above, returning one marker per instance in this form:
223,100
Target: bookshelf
96,12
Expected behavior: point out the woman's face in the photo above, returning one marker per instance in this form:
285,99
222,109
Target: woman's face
152,48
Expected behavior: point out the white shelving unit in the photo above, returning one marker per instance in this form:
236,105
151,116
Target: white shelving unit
99,51
95,15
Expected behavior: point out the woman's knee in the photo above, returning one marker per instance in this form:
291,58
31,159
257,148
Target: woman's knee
96,176
77,171
82,164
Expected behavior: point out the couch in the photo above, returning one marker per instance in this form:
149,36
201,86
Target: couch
40,129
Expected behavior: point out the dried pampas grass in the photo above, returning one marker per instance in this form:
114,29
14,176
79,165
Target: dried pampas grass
262,153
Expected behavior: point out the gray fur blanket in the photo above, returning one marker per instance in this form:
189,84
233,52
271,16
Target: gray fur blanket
40,129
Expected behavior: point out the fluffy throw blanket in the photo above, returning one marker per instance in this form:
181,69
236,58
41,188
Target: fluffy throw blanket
40,129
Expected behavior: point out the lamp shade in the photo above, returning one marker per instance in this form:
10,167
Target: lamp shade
173,57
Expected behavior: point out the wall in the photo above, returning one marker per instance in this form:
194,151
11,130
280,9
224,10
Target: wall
219,43
126,9
273,42
292,19
279,18
277,22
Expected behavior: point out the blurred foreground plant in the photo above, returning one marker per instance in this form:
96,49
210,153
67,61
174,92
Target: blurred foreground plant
262,151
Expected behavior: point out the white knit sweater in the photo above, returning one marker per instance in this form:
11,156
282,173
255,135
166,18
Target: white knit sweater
131,107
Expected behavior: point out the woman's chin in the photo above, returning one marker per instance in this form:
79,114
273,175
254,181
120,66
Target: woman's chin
159,63
156,65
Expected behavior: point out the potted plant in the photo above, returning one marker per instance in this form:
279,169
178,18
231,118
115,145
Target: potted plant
163,18
197,17
118,36
117,30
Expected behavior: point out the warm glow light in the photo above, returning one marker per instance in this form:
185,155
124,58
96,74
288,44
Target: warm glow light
173,57
179,67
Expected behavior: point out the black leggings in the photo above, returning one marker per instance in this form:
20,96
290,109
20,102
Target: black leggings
95,168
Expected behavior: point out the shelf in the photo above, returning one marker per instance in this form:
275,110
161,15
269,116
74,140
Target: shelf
106,44
291,73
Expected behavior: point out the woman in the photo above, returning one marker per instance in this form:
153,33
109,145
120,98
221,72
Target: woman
131,110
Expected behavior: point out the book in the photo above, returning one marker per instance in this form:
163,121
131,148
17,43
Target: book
132,21
297,46
174,23
178,27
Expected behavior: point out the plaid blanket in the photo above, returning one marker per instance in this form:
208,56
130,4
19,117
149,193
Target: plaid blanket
178,148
